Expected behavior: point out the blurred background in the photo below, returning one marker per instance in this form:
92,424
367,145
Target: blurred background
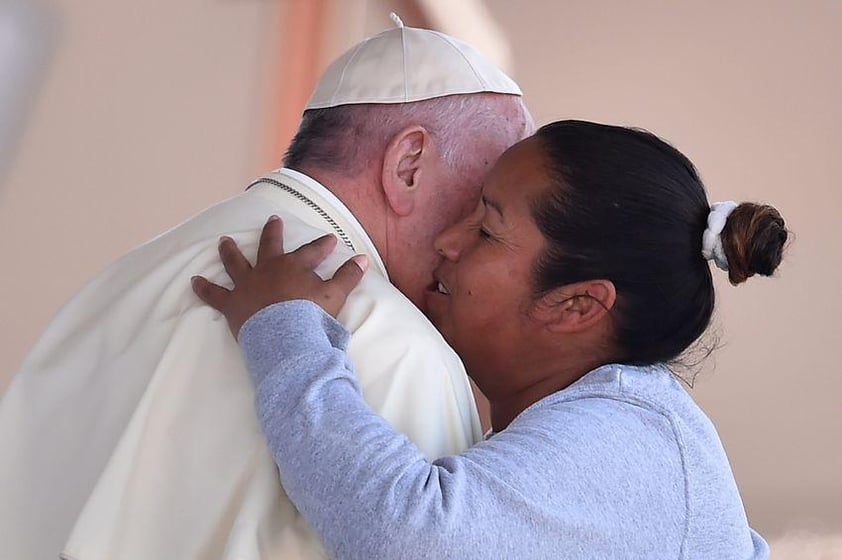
119,120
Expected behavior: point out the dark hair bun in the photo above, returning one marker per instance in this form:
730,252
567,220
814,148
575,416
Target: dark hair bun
753,239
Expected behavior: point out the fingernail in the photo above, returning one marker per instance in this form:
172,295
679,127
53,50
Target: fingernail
273,218
194,281
224,239
361,261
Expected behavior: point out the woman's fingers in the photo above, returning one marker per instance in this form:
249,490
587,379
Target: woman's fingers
236,265
210,293
312,254
349,274
278,277
271,240
334,292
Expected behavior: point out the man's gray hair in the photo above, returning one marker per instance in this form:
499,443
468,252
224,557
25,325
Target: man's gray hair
349,138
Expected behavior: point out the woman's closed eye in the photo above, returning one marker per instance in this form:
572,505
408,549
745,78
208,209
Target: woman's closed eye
481,230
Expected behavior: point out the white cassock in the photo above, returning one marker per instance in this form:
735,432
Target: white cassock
129,430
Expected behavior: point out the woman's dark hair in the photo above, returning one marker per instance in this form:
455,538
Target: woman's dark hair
627,207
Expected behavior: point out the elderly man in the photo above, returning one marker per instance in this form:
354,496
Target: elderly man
129,430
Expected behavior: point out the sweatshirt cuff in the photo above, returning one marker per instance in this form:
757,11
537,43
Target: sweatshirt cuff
286,331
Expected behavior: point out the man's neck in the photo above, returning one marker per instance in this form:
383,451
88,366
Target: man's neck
360,195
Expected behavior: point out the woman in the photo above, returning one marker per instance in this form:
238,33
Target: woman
578,277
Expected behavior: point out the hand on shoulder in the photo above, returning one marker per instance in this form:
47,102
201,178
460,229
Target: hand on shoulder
277,277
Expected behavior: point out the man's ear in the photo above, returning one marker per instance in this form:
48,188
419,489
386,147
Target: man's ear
402,167
576,307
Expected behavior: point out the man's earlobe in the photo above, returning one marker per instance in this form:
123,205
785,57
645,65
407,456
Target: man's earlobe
402,168
576,307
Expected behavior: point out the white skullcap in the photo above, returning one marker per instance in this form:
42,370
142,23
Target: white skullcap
407,64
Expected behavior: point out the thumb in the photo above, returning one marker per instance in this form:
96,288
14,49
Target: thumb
349,274
210,293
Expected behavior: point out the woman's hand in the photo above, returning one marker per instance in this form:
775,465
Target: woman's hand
277,277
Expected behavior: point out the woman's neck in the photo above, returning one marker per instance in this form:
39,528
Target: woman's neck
506,408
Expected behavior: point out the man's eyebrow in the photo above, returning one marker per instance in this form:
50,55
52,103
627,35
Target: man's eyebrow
493,204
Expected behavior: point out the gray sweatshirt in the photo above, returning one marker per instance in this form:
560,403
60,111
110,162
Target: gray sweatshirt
621,464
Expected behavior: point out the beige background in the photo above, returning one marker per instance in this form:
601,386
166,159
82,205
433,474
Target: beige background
150,110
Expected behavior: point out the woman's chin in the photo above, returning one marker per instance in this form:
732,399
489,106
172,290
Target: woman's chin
443,327
435,305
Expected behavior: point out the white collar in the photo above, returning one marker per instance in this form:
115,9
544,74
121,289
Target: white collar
337,206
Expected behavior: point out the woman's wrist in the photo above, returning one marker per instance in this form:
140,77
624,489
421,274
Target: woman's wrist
286,331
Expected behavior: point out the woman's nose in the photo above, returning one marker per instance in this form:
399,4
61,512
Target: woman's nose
449,242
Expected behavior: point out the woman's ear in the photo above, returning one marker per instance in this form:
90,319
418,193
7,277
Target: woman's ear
576,307
402,167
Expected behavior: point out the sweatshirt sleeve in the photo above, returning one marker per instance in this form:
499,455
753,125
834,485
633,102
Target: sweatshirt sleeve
366,490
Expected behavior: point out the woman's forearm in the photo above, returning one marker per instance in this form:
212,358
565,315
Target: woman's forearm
366,490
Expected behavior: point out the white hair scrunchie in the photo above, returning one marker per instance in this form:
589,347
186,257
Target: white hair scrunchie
712,248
